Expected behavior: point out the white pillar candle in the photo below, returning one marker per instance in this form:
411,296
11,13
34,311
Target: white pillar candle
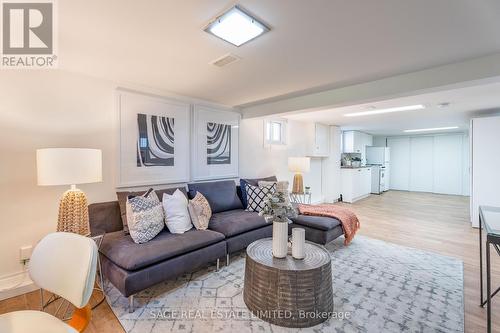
298,243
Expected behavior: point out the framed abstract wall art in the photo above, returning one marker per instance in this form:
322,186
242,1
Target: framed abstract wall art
154,140
215,143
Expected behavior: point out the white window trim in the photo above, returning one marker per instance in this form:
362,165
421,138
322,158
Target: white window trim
283,133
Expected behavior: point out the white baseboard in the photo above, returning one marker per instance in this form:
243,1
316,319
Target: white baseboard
15,285
318,201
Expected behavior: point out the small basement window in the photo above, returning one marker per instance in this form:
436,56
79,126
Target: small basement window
275,132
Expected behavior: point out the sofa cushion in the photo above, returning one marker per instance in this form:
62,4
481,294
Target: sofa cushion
234,222
221,195
316,222
122,200
253,182
121,249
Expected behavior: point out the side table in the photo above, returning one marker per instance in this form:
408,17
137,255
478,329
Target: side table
489,221
301,198
288,292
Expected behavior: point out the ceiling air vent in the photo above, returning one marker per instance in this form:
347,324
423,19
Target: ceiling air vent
225,60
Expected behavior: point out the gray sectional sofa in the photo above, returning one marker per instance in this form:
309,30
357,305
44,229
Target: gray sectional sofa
132,267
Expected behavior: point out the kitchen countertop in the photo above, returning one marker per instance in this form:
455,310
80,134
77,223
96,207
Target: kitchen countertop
360,167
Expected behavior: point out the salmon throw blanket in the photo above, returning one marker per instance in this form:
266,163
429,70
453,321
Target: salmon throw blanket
349,220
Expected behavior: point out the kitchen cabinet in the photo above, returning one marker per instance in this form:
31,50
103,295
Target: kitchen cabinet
321,142
356,183
356,142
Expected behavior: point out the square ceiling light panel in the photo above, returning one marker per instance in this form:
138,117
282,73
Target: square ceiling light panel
236,26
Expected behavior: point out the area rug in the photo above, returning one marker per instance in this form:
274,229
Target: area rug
378,287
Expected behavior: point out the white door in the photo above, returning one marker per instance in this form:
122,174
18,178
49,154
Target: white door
421,166
448,164
400,163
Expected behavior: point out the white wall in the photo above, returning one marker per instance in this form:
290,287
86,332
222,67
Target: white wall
41,109
430,163
256,160
485,134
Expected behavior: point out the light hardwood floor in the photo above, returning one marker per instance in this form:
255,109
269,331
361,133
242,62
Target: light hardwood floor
437,223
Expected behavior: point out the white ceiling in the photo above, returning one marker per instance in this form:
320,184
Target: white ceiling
316,43
465,103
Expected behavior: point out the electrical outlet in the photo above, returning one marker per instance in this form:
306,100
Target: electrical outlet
25,253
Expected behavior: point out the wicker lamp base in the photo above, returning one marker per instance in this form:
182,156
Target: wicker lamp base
73,213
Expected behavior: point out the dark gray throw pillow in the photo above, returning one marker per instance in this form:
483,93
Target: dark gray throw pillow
221,195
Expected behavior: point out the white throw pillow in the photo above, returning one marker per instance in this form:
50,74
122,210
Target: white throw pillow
177,217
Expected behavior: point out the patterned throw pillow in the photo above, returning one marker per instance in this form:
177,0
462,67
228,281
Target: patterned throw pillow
144,217
281,186
200,211
256,196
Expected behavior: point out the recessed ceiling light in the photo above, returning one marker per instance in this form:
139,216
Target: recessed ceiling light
236,26
388,110
430,129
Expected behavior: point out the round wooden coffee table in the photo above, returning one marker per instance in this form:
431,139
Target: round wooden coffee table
288,292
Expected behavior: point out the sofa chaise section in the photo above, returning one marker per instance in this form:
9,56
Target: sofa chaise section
319,229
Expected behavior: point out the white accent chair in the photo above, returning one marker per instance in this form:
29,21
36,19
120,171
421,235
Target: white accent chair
64,264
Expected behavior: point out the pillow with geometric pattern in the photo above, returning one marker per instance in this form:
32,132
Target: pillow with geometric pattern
256,196
144,217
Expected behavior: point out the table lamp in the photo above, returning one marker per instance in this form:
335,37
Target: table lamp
70,166
298,165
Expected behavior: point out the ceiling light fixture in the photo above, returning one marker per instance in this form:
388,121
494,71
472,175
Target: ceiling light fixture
388,110
236,26
430,129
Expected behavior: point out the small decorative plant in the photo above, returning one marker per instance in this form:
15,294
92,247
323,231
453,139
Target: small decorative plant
277,208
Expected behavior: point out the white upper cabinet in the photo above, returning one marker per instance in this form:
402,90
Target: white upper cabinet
321,144
356,142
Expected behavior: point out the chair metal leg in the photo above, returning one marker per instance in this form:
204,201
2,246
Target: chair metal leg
218,265
131,304
227,259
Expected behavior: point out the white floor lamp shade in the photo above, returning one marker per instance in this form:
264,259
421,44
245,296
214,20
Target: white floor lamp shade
70,166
